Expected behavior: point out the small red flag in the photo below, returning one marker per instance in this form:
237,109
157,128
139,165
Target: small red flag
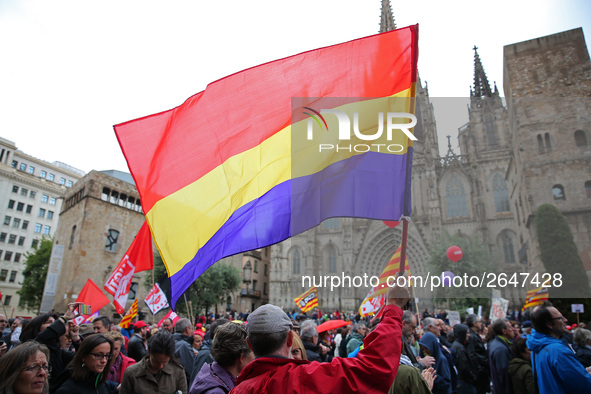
92,295
139,257
170,315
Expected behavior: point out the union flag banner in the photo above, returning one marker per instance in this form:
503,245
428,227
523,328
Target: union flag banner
237,166
129,315
307,300
139,257
170,315
156,299
536,297
377,296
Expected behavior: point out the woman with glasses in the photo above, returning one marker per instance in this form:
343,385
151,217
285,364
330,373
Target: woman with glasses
158,371
89,369
25,369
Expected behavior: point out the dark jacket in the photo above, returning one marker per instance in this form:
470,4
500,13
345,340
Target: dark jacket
184,351
430,345
499,356
136,348
522,376
213,379
463,364
407,351
479,358
88,386
312,353
583,355
58,357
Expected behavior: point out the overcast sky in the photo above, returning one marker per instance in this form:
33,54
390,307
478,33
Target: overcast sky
71,69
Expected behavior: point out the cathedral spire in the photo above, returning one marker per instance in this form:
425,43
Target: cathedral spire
481,85
387,19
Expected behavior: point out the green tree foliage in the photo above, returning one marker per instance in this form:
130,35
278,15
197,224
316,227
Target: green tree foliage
475,261
35,272
210,289
559,253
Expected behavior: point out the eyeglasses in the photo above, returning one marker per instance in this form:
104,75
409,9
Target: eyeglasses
3,321
37,368
100,356
560,318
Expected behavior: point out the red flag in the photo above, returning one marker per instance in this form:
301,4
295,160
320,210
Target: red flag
92,295
139,257
170,315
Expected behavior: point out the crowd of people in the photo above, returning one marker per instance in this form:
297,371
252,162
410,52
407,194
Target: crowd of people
275,352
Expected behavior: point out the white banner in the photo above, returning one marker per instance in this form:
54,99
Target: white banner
156,299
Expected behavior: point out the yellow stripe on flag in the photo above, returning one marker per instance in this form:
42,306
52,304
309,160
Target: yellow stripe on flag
307,300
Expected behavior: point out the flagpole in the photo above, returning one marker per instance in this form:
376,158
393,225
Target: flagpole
403,246
188,310
113,305
153,294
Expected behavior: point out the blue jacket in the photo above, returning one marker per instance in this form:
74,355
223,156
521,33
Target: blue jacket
430,347
556,367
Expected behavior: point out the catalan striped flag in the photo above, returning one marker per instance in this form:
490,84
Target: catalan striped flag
129,315
536,297
377,296
307,300
271,151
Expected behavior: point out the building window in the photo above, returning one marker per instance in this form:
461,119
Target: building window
46,230
500,193
72,236
7,300
17,257
105,194
23,167
69,183
50,177
25,224
20,206
14,164
8,256
21,241
29,208
16,223
43,174
49,215
52,200
547,141
580,138
558,192
264,288
114,197
112,237
31,170
508,250
41,212
7,220
133,290
62,181
455,198
12,239
12,278
15,189
295,261
332,260
32,194
3,275
34,243
266,270
44,198
24,192
3,237
588,189
11,204
38,228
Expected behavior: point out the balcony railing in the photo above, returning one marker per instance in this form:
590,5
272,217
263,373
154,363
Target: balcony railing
250,293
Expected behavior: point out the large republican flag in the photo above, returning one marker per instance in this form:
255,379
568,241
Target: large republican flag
139,257
376,297
227,172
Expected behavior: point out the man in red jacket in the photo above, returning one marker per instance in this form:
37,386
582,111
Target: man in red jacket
372,371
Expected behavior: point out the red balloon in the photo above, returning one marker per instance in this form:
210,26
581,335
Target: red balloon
454,253
391,223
